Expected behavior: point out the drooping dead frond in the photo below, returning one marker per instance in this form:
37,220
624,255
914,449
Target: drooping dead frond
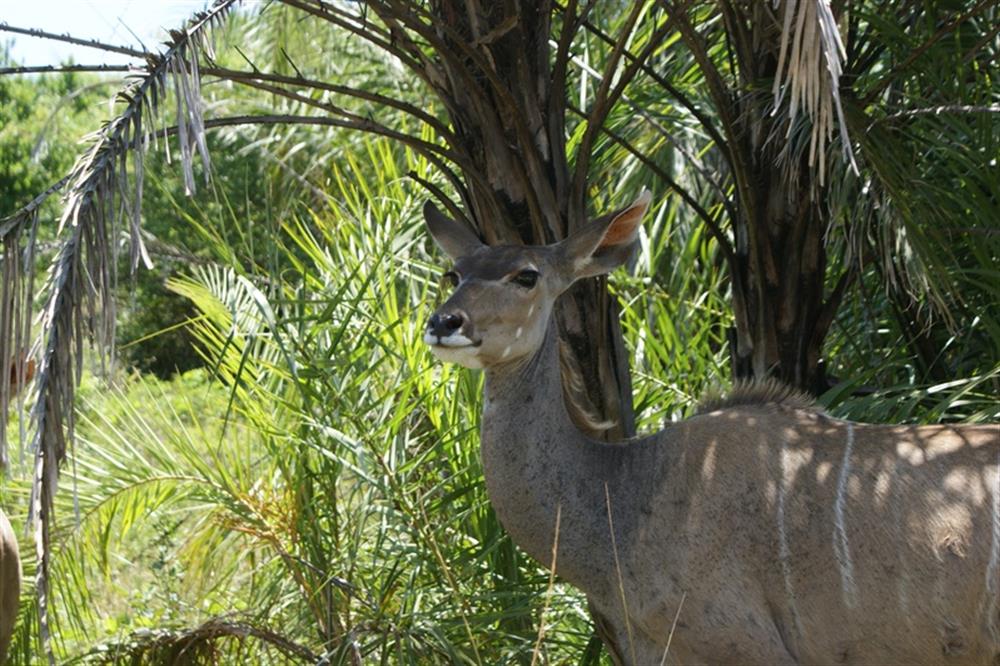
809,69
105,193
17,242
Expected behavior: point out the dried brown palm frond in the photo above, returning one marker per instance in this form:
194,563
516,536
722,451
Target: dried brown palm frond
205,644
17,240
104,195
810,63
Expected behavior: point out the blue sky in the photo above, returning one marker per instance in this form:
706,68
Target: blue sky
105,20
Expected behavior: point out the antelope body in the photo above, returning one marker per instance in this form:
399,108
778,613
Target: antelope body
760,532
10,584
20,373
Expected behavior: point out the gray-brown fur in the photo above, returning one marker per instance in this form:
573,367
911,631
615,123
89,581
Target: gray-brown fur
760,392
696,516
19,374
783,536
10,584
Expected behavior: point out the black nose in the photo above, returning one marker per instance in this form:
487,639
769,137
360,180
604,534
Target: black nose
444,325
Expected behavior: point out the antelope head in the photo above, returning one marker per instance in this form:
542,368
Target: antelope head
503,296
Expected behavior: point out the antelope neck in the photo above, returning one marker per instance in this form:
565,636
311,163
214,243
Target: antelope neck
537,463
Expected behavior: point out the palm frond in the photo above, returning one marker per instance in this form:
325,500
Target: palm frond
103,196
206,643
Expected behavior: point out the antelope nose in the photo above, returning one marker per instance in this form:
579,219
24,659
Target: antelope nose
443,325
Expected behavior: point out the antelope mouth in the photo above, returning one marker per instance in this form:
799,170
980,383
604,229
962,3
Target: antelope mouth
453,341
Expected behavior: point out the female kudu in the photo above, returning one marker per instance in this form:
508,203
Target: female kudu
788,535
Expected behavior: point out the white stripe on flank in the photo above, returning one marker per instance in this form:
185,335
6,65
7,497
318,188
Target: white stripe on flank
841,549
903,575
784,554
993,568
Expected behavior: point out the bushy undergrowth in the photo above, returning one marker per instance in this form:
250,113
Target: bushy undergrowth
319,480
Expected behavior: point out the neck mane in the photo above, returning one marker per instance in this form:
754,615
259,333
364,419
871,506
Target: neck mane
537,463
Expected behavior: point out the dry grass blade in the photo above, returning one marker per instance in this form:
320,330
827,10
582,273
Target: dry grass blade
673,627
618,571
548,591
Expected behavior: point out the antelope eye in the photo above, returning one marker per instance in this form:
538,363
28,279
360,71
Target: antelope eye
526,279
451,277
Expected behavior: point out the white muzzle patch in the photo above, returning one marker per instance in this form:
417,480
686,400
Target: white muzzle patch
454,348
453,340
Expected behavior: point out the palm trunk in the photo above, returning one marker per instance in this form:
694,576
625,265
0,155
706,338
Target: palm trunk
507,111
782,315
508,115
781,303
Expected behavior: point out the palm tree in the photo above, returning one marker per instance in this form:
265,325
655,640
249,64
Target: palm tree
805,95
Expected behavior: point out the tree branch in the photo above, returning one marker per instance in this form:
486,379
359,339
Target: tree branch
724,243
531,162
723,103
58,69
674,92
380,38
241,76
291,119
938,110
603,101
90,43
570,26
669,138
354,121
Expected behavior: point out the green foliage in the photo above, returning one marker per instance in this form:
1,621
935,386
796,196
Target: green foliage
152,334
323,482
326,485
41,122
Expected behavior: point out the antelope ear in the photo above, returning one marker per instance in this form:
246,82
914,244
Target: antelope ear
607,242
452,237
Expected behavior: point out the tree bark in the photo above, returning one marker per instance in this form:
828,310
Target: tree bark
508,113
782,303
779,292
